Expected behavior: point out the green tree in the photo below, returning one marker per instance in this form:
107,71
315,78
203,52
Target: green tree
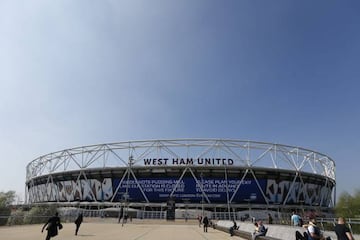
348,206
6,199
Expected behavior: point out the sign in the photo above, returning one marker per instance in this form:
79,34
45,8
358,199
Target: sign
159,189
188,161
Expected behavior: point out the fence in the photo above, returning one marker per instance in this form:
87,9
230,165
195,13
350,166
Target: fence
70,214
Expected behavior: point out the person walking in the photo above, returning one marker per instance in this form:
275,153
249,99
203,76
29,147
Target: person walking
270,219
342,231
206,223
52,226
78,222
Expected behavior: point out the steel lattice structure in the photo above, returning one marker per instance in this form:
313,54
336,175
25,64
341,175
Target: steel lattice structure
136,170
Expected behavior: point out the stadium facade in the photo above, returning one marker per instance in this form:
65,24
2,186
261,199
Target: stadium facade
210,173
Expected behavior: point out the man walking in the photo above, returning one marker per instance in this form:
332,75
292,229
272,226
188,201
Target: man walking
206,223
78,222
52,224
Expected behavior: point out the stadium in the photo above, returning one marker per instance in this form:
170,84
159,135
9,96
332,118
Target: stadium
218,175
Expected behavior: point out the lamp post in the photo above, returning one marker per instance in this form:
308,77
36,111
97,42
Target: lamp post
202,194
227,193
253,197
126,195
249,200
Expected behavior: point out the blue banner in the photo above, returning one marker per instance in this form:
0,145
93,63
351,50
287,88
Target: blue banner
217,190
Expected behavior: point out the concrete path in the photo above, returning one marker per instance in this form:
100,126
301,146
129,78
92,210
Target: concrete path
110,230
276,231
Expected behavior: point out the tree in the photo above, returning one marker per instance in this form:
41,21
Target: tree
6,199
348,206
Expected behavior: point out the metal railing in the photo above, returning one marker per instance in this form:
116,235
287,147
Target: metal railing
69,215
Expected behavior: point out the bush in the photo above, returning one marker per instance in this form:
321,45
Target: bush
4,215
16,218
6,198
39,214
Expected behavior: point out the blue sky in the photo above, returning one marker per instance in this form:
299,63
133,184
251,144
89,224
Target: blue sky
75,73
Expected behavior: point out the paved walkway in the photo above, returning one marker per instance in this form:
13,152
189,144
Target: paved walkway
111,230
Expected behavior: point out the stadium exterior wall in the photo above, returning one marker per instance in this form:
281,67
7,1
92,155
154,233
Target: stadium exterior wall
215,172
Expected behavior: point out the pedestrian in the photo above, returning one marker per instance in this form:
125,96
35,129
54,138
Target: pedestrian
295,219
52,226
342,231
78,222
200,220
206,223
121,213
270,219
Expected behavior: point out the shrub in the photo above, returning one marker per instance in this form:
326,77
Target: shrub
39,214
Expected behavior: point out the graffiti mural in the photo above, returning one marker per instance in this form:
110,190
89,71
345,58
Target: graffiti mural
288,192
68,191
186,189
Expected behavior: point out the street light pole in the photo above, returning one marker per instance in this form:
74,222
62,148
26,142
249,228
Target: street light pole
126,195
202,194
227,193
